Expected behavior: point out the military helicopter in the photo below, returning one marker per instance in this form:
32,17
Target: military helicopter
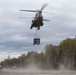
38,19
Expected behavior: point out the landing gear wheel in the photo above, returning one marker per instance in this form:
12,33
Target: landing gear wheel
31,27
38,28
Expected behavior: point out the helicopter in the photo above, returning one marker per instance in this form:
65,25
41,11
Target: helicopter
38,19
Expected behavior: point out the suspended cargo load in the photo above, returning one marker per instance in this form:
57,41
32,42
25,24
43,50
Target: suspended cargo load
36,41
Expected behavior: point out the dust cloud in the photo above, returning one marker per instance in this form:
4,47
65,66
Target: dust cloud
33,69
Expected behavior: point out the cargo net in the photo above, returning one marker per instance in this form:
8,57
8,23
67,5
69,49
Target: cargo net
36,40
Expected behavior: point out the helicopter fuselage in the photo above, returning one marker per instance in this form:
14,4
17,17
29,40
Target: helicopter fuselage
37,22
38,19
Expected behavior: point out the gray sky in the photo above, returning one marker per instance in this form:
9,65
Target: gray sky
16,37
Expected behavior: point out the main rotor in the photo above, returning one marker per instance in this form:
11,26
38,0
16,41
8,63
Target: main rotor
39,11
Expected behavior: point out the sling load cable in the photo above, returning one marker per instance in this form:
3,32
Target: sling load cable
36,38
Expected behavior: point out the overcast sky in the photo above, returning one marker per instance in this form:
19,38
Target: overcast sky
16,37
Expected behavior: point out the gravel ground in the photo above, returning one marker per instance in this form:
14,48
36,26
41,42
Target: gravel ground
34,72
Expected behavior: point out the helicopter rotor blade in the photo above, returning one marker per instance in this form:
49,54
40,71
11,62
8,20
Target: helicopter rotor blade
46,20
29,10
43,6
25,17
47,12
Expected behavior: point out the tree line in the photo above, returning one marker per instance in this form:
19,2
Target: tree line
52,57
